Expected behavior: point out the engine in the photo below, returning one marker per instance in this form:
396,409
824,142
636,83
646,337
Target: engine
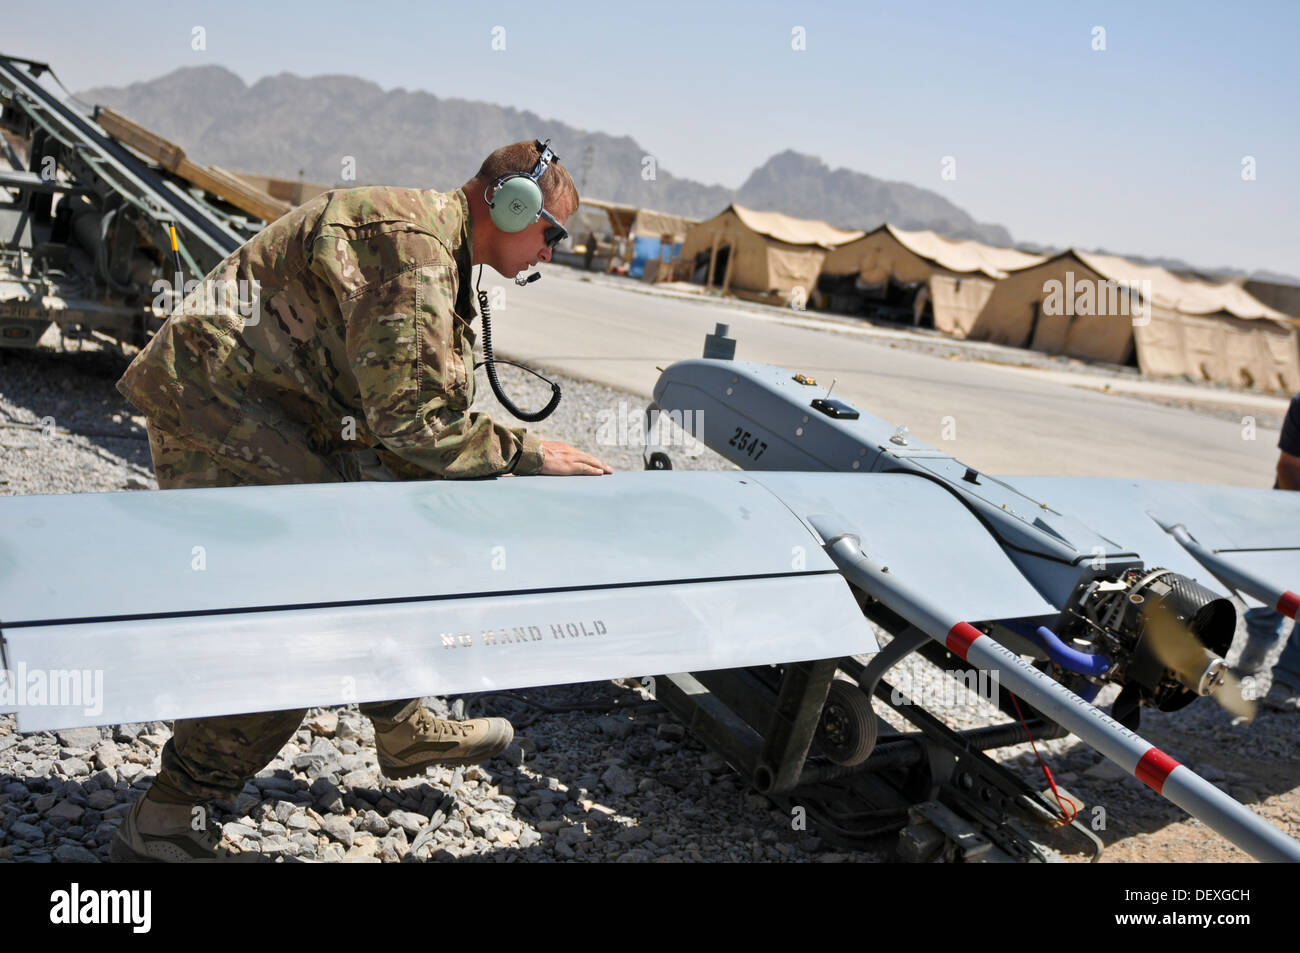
1163,634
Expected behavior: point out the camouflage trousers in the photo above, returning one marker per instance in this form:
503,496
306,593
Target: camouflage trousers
212,758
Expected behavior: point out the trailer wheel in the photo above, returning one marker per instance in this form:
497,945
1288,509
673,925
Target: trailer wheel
848,728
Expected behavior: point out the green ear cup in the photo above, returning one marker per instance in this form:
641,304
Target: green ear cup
516,203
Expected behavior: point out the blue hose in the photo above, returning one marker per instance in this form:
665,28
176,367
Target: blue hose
1071,659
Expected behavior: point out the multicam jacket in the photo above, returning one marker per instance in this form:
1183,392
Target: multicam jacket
360,337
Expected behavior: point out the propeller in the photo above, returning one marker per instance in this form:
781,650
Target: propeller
1195,666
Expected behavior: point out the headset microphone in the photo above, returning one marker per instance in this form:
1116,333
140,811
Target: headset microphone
535,276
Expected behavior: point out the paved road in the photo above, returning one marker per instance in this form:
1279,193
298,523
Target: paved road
1006,421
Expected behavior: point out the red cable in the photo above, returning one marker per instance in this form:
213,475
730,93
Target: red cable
1067,814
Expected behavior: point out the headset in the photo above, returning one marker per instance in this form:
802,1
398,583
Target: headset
516,204
517,201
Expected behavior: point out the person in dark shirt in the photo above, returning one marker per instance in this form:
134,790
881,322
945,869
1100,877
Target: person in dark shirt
1264,625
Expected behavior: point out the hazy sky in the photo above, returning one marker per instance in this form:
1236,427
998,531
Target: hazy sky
1138,147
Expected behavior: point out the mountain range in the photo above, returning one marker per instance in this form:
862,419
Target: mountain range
344,130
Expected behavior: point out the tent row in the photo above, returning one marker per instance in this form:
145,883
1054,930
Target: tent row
1090,306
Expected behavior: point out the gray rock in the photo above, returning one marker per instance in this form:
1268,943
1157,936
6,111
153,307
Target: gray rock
277,844
73,854
106,755
24,831
324,788
529,837
275,784
618,780
127,732
375,823
236,831
324,723
430,804
614,727
339,829
78,737
66,810
408,821
358,779
354,762
635,856
73,767
105,831
632,835
573,834
671,731
246,802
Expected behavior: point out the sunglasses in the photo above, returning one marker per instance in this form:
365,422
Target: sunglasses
556,233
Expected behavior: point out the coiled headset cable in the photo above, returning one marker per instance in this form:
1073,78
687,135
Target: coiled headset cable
490,361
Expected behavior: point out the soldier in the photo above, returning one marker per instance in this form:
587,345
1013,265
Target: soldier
359,338
1265,624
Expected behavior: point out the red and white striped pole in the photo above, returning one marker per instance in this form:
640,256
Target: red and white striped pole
1138,757
1283,600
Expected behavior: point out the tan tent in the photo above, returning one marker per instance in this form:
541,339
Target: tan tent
631,221
954,277
762,255
1105,308
1284,298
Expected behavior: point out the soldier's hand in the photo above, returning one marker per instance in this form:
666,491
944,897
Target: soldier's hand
560,459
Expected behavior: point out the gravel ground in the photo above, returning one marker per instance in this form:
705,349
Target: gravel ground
599,771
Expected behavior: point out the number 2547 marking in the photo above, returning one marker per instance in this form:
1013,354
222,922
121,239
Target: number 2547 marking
746,442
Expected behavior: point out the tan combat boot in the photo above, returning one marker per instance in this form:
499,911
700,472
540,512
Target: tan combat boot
158,833
407,747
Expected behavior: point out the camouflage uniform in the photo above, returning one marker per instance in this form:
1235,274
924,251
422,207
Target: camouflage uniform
362,340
